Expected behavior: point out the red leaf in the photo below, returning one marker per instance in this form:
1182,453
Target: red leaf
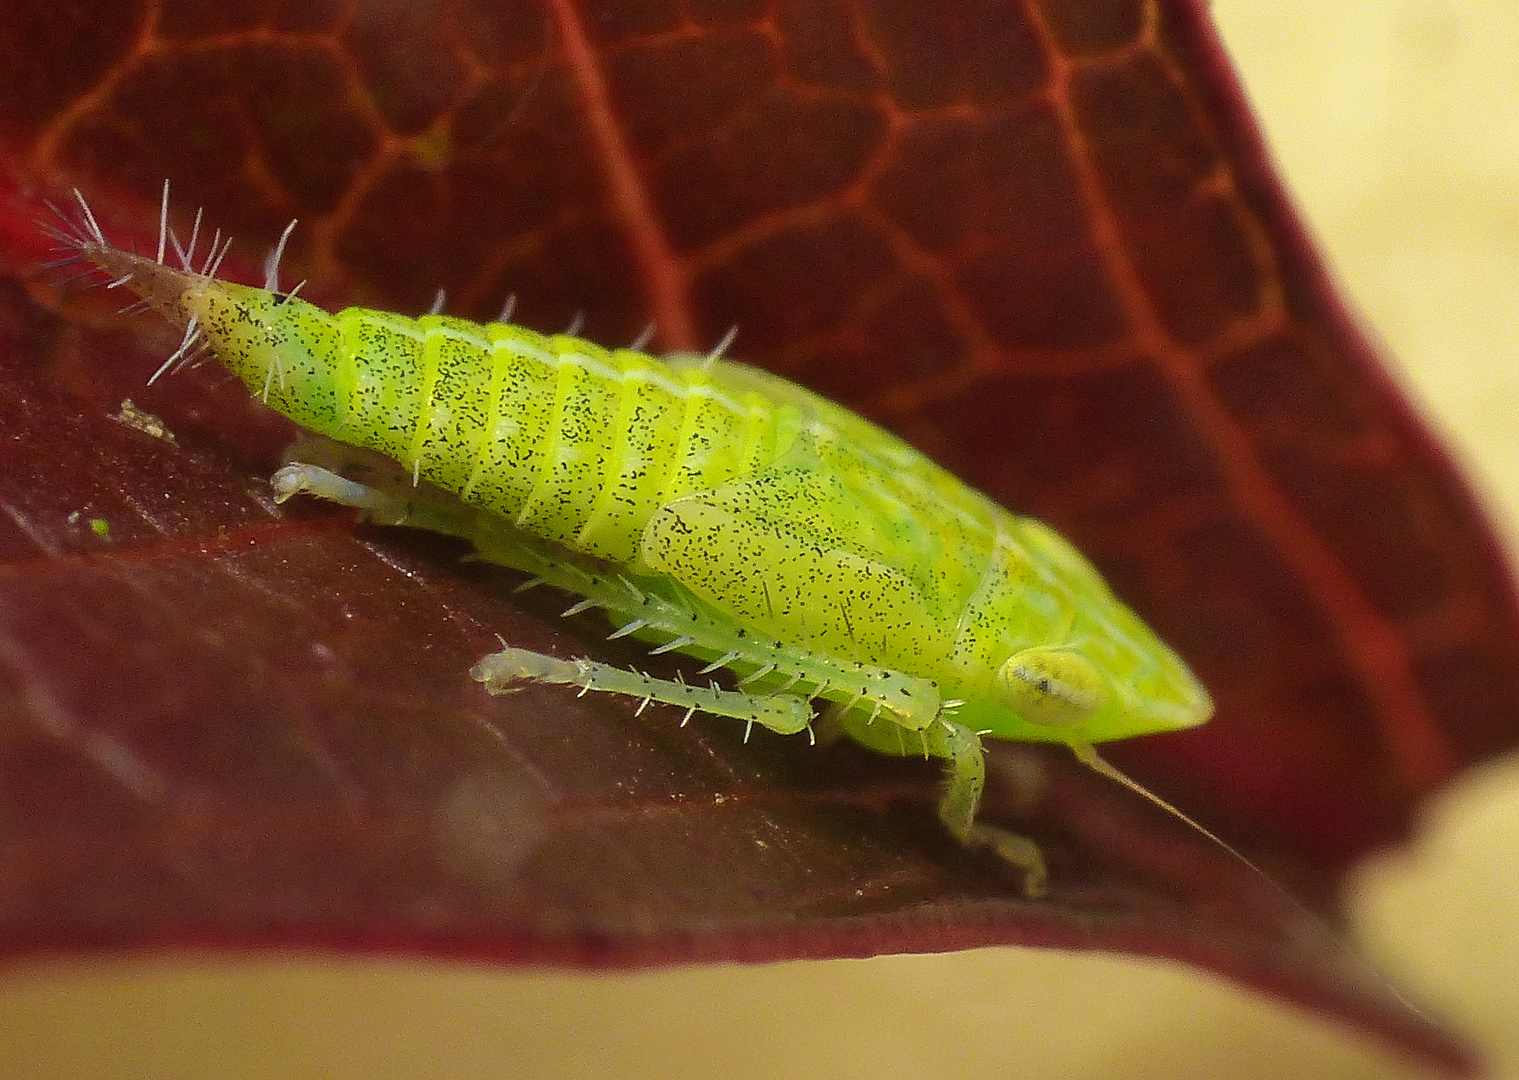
1041,241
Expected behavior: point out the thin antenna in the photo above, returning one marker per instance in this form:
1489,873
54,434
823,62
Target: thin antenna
1089,757
1315,923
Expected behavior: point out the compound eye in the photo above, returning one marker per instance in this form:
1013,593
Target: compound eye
1051,687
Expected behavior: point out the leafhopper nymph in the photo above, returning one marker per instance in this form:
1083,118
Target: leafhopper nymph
710,509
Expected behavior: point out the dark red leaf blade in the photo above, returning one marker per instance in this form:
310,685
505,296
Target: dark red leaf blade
1043,242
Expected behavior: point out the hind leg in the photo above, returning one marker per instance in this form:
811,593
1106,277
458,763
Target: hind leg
367,481
363,480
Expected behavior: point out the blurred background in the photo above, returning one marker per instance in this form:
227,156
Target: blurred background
1396,124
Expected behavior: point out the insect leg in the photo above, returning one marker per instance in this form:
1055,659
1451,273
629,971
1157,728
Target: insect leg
380,488
380,504
373,483
964,778
765,665
637,612
782,713
392,501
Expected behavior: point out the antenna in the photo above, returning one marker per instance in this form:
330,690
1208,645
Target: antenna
1089,757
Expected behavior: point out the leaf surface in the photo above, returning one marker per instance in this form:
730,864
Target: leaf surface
1041,240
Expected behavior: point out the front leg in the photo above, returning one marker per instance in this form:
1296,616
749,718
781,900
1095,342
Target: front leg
964,779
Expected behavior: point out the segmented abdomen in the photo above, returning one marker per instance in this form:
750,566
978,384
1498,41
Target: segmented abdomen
575,443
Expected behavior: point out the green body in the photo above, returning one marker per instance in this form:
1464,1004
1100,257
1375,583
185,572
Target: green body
815,525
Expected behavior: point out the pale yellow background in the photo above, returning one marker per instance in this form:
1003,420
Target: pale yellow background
1397,123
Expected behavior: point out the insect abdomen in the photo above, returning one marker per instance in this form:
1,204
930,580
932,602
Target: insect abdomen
570,441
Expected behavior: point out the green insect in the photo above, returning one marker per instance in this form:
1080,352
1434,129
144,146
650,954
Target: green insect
707,507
